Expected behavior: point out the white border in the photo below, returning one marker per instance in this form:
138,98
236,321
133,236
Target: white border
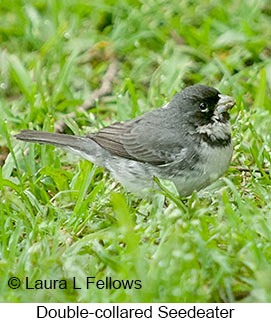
241,312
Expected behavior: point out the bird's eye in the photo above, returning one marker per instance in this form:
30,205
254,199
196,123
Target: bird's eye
203,107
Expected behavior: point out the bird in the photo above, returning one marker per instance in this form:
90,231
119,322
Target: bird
187,141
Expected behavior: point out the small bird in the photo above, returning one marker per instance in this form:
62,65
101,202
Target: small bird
187,141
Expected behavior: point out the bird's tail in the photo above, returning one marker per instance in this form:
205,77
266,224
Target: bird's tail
49,138
83,146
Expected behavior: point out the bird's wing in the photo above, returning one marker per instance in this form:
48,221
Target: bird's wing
145,139
110,138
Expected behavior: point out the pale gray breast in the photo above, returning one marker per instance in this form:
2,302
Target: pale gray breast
217,160
214,163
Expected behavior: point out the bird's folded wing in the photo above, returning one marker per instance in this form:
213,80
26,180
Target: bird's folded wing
137,140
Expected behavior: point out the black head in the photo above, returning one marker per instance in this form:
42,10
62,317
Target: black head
201,104
201,101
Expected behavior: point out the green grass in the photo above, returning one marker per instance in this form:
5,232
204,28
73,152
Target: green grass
61,217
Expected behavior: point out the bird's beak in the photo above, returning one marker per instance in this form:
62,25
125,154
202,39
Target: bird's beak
224,103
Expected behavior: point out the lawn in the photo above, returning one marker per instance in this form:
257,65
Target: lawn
81,65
